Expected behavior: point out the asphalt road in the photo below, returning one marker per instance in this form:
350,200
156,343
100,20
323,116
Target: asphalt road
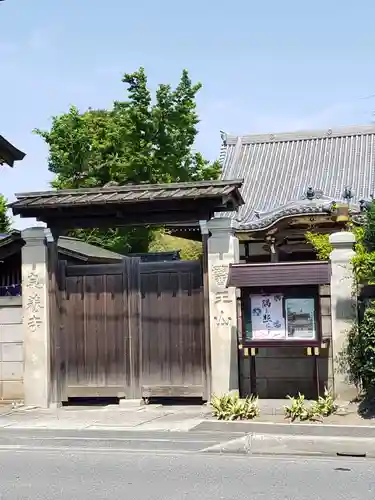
103,440
108,474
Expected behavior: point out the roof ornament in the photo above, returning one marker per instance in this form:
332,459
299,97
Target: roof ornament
312,194
224,137
348,194
365,205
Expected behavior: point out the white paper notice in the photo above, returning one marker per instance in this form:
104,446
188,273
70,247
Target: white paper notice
267,319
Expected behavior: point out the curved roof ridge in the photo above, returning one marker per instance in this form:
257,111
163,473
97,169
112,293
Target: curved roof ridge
301,134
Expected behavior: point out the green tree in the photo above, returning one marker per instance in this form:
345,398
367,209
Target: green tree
165,242
358,355
369,233
364,259
5,220
136,140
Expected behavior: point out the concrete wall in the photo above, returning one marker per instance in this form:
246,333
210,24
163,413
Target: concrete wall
282,371
11,349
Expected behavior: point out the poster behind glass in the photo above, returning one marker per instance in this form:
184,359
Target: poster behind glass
300,319
275,317
267,318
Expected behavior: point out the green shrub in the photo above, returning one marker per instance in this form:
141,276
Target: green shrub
359,352
320,243
369,229
231,407
297,408
323,407
363,261
357,359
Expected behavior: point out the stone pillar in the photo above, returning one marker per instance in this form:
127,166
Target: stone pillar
35,318
223,249
343,307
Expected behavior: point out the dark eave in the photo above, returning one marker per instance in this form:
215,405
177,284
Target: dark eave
280,273
8,153
78,249
67,247
131,204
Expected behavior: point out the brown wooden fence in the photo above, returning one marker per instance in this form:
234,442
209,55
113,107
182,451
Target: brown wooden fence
128,330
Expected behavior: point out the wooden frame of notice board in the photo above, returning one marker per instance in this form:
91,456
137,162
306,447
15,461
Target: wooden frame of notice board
287,293
249,347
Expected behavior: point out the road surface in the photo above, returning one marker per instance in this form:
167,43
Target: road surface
52,475
70,466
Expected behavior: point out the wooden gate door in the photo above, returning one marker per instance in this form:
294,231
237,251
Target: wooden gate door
172,325
99,318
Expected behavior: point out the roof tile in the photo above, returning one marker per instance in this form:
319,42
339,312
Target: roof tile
128,194
278,168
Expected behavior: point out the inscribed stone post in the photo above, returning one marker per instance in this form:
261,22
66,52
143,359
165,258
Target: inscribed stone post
35,318
223,249
343,307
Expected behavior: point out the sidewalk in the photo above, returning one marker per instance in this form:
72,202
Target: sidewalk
182,418
116,417
186,429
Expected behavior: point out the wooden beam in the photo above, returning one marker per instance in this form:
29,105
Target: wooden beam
73,221
94,269
165,267
196,206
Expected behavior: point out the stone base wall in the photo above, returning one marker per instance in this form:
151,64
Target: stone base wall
11,349
283,371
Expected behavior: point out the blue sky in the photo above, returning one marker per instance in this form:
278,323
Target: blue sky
266,66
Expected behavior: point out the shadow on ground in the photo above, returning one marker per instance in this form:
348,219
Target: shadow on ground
366,407
176,401
91,402
101,402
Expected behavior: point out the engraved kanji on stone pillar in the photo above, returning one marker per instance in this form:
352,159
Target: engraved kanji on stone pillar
35,317
223,249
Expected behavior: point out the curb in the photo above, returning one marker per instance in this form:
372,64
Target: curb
276,445
287,429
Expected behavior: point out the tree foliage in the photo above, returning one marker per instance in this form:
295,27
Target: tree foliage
164,242
5,220
363,261
359,352
140,139
369,230
320,243
358,355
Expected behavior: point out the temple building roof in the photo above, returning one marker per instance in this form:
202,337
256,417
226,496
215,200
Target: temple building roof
302,172
9,153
